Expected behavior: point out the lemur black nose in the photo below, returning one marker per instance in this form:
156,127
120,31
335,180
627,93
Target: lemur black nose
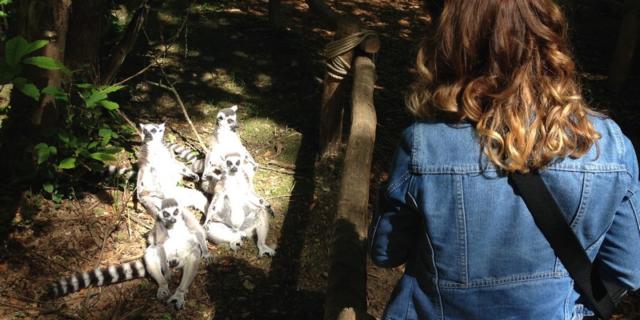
234,169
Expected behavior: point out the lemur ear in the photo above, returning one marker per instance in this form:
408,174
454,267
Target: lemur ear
143,130
234,107
162,125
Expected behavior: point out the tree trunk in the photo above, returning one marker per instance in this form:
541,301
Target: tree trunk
87,26
45,20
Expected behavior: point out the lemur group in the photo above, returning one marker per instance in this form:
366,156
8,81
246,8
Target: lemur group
177,239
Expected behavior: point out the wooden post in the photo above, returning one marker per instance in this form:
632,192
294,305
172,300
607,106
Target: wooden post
627,43
331,107
347,283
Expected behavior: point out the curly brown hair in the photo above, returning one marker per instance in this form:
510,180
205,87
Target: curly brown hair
505,66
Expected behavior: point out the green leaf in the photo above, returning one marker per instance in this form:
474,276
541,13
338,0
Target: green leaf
94,98
84,85
2,14
92,145
64,137
33,46
105,132
109,105
44,63
68,163
42,151
48,187
106,135
110,89
14,50
102,156
30,90
57,93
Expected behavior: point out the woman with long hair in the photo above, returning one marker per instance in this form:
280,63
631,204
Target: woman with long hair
497,94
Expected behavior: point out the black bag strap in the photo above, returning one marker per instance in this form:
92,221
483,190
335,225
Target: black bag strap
600,297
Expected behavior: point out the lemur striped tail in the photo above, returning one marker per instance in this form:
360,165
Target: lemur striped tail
197,166
183,152
97,278
115,171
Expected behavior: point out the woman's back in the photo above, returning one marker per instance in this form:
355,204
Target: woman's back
478,253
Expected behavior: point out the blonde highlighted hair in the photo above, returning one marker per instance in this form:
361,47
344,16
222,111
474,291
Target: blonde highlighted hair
505,66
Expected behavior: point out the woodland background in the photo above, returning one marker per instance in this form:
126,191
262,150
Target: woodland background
77,75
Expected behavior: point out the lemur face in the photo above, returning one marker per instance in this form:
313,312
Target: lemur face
226,118
152,132
169,212
232,163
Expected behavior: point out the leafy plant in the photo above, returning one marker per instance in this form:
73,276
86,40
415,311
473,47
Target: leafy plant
89,138
91,133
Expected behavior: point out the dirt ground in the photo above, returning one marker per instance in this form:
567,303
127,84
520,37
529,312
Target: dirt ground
232,56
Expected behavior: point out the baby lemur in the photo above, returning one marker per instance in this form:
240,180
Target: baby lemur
176,241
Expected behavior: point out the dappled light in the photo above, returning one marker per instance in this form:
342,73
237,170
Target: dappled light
62,211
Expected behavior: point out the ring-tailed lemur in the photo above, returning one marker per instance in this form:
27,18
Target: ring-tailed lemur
176,240
236,211
159,173
224,141
192,157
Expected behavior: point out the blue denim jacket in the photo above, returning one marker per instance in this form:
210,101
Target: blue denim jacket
471,248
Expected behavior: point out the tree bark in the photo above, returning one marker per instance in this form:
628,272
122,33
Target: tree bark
87,25
45,20
347,283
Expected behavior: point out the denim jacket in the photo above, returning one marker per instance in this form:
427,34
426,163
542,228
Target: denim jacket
469,244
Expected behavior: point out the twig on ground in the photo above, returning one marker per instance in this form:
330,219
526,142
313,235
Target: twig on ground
281,164
140,222
280,170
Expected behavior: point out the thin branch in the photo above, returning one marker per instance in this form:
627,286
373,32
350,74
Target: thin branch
135,74
133,125
173,90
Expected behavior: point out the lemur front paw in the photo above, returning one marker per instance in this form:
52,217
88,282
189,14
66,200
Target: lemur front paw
177,300
163,292
266,251
235,245
208,258
194,177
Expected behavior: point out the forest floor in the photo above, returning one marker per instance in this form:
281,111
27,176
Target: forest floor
231,55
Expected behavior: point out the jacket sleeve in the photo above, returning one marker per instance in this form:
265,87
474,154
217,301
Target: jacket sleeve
394,224
619,255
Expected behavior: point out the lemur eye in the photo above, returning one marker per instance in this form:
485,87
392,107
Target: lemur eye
175,213
165,214
230,121
229,163
153,130
220,117
238,163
